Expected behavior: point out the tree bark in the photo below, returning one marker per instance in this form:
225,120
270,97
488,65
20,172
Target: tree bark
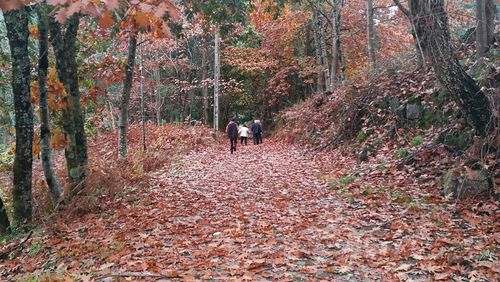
204,76
4,219
485,26
317,46
432,29
18,33
336,44
43,64
64,44
481,29
324,53
371,36
143,110
127,87
491,12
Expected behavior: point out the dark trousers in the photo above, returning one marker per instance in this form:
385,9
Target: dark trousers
244,139
257,138
234,141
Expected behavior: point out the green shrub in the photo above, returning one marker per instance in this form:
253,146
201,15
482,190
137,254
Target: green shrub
401,153
362,136
417,140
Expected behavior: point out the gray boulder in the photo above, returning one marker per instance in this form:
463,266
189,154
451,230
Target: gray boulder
467,183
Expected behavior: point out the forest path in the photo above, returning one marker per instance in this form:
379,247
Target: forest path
261,213
267,212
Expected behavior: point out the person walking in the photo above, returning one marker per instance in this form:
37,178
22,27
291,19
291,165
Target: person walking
232,133
244,134
257,132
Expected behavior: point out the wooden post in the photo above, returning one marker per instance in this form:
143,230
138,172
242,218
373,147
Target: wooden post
216,82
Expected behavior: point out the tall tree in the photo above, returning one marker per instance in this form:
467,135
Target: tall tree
18,33
4,219
43,64
204,77
65,49
338,69
320,84
127,88
433,31
485,29
371,36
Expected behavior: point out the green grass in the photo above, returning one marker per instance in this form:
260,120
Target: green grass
401,153
417,140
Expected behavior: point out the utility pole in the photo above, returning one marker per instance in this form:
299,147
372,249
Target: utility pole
142,96
216,82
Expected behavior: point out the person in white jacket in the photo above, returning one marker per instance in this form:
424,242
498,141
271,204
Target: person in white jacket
244,134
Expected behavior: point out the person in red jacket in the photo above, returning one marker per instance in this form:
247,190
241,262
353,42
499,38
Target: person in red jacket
232,133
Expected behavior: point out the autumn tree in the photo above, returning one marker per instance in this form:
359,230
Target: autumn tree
433,32
16,21
4,219
64,38
371,36
45,134
127,87
485,26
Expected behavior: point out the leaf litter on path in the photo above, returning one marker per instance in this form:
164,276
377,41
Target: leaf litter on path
266,212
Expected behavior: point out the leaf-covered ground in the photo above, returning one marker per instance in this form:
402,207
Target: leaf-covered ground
270,212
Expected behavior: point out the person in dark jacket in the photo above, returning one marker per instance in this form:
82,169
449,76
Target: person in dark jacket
257,132
232,133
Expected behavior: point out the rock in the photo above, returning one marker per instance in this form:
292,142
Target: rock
413,111
468,183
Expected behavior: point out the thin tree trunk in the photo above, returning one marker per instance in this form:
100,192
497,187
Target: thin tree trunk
143,111
432,29
43,64
317,46
204,76
324,53
371,36
64,44
491,12
481,29
158,98
127,87
336,47
16,22
4,219
485,26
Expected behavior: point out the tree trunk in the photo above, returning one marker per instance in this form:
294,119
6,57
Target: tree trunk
432,29
481,29
317,46
4,220
127,87
336,47
64,44
324,53
158,98
204,76
485,26
143,110
43,64
16,22
371,36
491,12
